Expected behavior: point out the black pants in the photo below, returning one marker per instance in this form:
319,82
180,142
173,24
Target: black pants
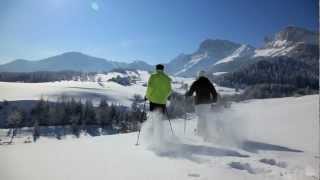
155,106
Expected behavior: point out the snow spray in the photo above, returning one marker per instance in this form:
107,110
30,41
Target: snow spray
222,126
156,131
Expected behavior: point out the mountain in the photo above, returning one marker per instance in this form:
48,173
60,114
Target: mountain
241,56
209,52
212,55
288,42
75,61
287,65
141,65
226,56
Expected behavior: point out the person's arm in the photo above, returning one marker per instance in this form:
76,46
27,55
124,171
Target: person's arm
213,92
191,90
149,87
170,88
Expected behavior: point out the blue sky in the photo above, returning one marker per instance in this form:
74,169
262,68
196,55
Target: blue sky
150,30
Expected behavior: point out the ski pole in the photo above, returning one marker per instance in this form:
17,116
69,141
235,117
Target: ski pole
144,110
169,121
185,116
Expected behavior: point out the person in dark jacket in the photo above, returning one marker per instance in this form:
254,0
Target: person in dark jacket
206,94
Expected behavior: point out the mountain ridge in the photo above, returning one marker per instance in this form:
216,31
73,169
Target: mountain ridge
294,42
212,55
75,61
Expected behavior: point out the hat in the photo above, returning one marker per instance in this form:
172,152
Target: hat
202,73
159,67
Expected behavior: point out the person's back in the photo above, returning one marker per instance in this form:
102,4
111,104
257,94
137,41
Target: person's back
205,95
205,91
159,89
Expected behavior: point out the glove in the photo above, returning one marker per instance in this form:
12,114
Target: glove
145,98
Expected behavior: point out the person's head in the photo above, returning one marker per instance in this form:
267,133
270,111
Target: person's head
201,73
159,67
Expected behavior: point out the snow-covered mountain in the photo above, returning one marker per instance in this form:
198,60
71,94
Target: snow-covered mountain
288,64
212,55
225,56
242,51
75,61
288,42
209,52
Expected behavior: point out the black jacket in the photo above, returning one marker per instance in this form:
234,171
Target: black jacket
205,91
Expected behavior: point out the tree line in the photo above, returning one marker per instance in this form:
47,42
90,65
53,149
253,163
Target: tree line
75,114
81,116
45,76
277,77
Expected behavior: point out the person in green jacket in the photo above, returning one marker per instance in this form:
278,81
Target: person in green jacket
159,89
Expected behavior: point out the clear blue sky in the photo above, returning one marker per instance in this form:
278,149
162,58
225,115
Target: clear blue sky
149,30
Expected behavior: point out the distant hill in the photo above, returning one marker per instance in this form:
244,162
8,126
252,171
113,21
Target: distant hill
74,61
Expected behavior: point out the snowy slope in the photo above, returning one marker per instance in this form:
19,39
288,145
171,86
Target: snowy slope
184,156
195,59
274,51
101,88
34,91
242,51
209,52
95,90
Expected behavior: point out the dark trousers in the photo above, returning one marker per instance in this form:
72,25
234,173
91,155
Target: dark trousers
160,107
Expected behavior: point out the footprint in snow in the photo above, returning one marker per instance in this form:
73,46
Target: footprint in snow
246,167
194,175
273,162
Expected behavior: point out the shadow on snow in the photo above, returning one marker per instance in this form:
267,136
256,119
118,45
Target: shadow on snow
255,147
188,151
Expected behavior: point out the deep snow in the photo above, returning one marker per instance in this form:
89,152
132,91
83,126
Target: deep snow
279,140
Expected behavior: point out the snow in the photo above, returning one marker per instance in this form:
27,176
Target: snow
112,91
279,43
280,125
101,87
243,50
106,77
219,73
110,75
272,52
144,75
195,59
296,117
52,90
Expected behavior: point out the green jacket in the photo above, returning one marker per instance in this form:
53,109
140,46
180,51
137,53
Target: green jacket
159,87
